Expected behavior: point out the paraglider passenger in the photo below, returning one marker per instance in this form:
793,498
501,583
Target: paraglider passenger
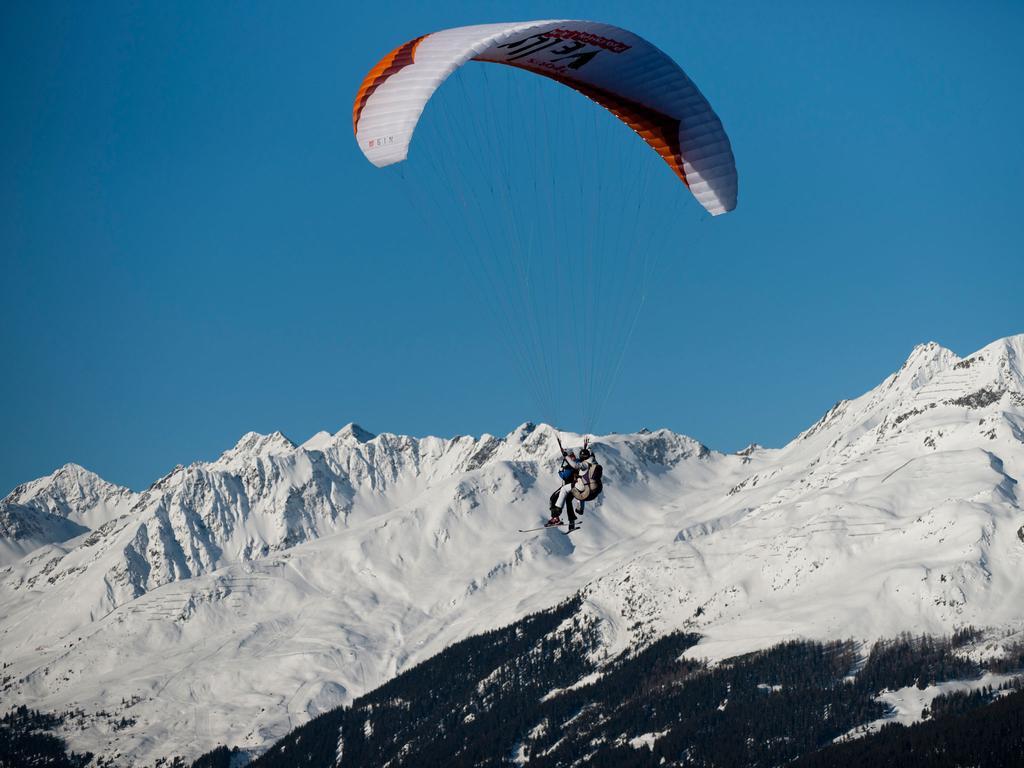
587,484
563,496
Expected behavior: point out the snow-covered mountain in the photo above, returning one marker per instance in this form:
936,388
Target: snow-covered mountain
243,595
58,507
74,493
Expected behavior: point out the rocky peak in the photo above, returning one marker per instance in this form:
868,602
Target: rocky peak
923,364
353,431
256,444
75,493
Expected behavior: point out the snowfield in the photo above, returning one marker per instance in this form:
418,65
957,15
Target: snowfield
907,705
245,595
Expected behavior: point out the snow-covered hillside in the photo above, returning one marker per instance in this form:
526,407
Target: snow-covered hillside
24,529
244,595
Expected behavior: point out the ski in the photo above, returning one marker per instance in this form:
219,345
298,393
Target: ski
566,533
541,528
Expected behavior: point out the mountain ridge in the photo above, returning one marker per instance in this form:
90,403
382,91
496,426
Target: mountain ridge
323,570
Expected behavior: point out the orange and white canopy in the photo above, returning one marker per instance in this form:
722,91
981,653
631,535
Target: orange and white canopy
620,71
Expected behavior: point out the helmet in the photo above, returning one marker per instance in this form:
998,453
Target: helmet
585,454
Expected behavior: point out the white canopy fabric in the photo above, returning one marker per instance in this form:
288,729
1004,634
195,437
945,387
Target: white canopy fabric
619,70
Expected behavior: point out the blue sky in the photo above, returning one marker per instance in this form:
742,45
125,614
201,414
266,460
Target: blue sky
193,247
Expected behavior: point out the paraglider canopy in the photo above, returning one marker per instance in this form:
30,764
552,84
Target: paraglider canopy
559,223
619,70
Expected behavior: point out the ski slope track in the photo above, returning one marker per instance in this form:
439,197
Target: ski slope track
245,595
